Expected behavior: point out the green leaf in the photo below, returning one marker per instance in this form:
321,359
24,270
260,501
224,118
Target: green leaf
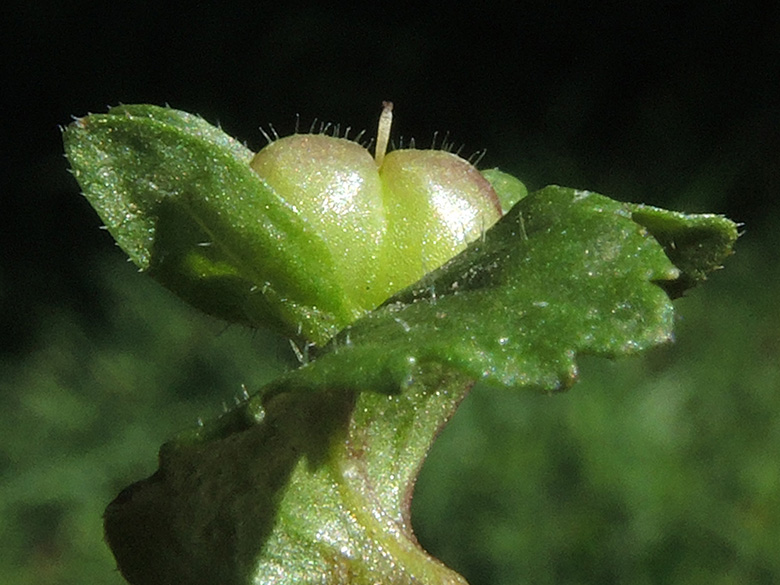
564,272
509,189
307,488
310,481
179,197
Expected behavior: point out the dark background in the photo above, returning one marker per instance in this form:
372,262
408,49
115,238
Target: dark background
659,101
669,103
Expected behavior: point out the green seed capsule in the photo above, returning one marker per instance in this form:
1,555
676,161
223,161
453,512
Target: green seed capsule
436,203
333,185
385,221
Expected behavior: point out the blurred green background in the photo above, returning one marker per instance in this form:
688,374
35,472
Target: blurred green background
659,469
